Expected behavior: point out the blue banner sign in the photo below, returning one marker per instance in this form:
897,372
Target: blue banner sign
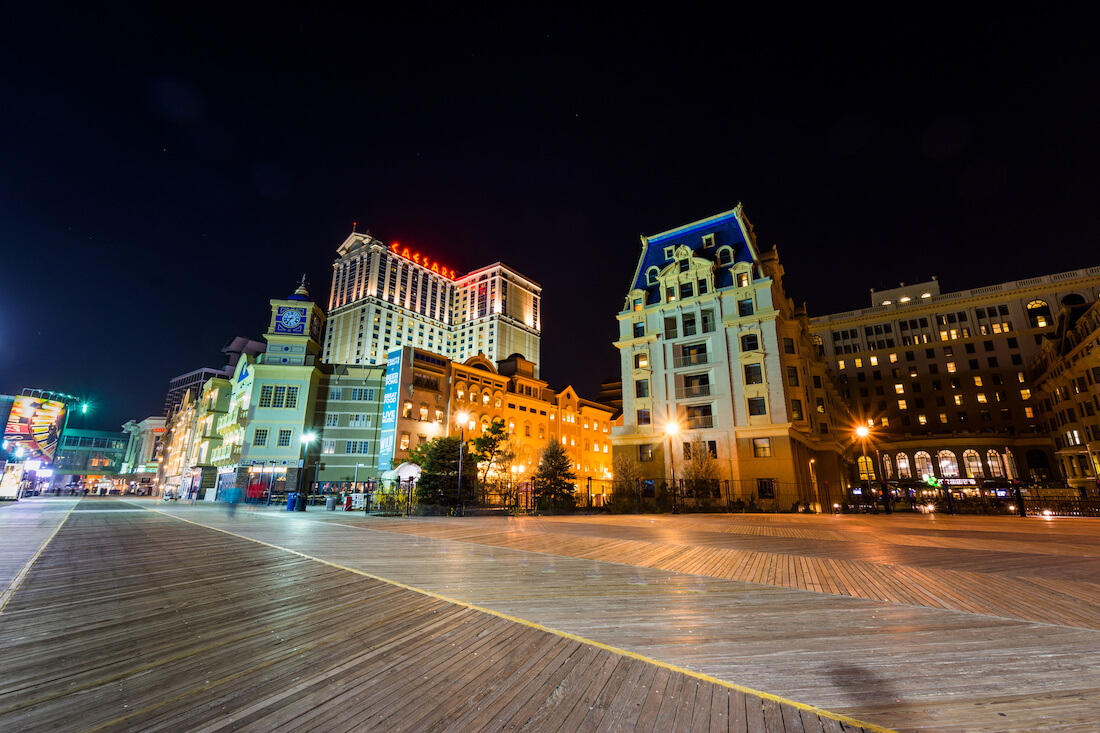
389,410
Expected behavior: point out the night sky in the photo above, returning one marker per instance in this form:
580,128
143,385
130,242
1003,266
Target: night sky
165,170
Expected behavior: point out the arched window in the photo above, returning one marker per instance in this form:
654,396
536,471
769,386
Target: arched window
651,276
973,464
887,467
866,468
923,463
949,464
725,256
903,466
1038,314
996,465
750,342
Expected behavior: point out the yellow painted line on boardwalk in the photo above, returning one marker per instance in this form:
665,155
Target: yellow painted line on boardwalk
18,579
869,727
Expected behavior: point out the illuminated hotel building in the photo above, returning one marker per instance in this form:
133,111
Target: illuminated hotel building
943,379
386,296
714,356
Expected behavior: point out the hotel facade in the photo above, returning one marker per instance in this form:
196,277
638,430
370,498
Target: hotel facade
714,354
387,296
942,380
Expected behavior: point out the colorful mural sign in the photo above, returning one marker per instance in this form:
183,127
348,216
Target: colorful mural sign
34,427
389,410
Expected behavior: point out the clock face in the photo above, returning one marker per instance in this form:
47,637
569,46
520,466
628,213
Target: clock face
291,318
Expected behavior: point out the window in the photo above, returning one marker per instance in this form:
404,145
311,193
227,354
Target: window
973,463
754,374
996,465
924,464
645,453
357,446
328,447
949,465
903,466
291,398
788,348
284,438
670,328
639,330
757,406
792,376
644,417
641,360
265,395
259,438
744,307
765,487
641,388
1038,314
670,294
762,447
334,393
796,410
742,279
363,395
331,420
708,321
687,290
689,324
751,342
404,441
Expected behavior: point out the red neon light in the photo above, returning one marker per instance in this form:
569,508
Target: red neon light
422,260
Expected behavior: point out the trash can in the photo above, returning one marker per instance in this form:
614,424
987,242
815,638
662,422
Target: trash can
291,501
330,504
301,502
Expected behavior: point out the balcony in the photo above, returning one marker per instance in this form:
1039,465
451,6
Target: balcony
690,360
698,423
696,390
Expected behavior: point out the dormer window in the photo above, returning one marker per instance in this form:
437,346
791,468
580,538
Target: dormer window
651,276
708,241
669,252
684,264
725,256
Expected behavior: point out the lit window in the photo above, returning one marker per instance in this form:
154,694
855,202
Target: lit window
958,399
762,447
977,381
981,397
943,417
899,389
1029,412
1025,394
893,358
902,405
840,364
951,367
904,299
859,362
874,361
922,419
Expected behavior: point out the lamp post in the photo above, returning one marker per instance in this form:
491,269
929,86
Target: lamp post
270,481
863,432
671,430
462,418
307,438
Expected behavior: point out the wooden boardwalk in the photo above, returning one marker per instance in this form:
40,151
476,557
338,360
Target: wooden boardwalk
133,620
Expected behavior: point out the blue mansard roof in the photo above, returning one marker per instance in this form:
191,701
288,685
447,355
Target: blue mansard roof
730,229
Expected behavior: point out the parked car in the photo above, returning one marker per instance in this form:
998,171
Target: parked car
171,496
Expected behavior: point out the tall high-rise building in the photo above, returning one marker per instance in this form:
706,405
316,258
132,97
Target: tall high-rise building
385,296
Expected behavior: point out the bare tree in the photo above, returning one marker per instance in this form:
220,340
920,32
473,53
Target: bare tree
624,492
701,470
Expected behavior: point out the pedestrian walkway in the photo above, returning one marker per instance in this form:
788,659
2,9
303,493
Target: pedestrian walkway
131,619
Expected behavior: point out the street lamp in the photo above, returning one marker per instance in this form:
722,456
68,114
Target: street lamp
463,417
671,430
307,438
864,433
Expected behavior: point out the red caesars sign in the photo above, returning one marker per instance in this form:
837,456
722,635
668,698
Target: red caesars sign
423,261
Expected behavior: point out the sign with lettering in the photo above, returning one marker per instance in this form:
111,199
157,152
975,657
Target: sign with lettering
423,261
389,410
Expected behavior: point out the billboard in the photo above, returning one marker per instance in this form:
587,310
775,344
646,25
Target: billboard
389,410
34,425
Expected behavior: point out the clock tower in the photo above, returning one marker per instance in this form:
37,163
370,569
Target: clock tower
294,334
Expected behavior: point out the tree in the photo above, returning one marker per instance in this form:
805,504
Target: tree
700,471
625,491
488,448
438,484
554,480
